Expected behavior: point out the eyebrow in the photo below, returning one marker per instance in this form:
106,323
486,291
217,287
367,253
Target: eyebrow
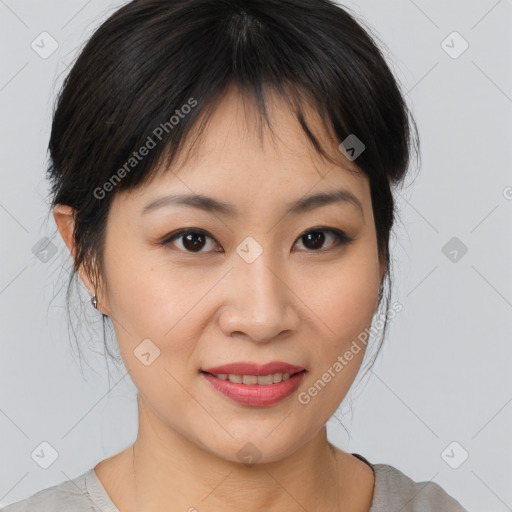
209,204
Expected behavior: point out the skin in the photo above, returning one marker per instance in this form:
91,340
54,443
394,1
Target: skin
294,303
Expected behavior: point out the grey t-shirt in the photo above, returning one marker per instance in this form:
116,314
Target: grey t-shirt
393,492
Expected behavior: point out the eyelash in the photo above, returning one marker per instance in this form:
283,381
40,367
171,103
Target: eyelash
341,238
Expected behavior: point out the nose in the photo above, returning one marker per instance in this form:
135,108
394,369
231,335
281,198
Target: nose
262,304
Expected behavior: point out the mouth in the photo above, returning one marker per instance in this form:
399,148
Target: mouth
253,385
249,369
249,380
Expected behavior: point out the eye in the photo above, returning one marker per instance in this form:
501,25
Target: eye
192,240
314,238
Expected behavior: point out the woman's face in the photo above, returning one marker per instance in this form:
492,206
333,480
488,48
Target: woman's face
246,285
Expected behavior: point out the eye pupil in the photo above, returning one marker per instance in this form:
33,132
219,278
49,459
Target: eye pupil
190,241
317,237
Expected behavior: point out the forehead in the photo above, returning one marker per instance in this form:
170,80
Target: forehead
237,129
238,158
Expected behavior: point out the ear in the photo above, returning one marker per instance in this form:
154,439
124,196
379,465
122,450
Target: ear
64,218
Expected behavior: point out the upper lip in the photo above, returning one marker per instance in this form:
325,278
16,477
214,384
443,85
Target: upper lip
246,368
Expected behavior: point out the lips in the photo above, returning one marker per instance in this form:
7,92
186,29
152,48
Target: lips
255,385
242,368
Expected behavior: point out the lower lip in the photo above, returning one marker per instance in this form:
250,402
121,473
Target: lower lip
256,395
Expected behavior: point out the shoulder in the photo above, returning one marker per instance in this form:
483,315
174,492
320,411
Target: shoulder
396,491
70,495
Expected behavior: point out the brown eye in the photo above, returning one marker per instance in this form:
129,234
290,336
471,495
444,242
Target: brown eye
315,238
191,240
196,240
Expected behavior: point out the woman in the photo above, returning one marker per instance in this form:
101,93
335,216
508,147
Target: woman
221,173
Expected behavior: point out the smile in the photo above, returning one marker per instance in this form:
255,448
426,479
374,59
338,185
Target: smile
261,380
255,390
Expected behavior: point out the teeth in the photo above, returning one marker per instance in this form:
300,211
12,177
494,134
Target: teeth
262,380
237,379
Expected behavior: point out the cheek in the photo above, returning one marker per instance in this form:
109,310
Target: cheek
140,290
150,300
344,299
344,304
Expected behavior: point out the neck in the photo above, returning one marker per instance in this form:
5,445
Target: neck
163,467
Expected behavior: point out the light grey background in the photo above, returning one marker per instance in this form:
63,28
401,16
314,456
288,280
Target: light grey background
444,374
